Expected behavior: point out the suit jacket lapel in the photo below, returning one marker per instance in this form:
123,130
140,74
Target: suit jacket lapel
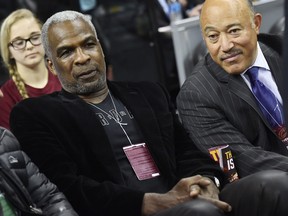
94,134
275,65
236,85
141,111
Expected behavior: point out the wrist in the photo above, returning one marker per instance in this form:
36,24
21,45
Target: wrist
150,204
215,180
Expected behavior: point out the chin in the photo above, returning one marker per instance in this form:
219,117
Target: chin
233,70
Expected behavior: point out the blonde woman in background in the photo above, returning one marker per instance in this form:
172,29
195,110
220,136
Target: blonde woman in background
23,55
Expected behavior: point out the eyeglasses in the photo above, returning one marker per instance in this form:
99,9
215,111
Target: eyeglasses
20,44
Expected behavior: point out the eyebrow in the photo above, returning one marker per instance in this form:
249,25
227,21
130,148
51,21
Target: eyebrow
68,46
32,33
209,28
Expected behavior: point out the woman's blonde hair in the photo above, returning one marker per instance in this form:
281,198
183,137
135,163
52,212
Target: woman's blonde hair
4,46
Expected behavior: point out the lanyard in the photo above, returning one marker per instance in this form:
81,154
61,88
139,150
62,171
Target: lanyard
111,116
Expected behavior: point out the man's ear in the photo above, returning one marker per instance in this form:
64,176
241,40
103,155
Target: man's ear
257,22
50,66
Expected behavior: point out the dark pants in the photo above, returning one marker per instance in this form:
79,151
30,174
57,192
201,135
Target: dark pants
196,207
262,194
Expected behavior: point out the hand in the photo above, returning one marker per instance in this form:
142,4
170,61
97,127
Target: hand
195,11
183,3
186,189
153,202
206,189
1,94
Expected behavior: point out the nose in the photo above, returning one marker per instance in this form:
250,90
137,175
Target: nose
81,57
226,43
29,45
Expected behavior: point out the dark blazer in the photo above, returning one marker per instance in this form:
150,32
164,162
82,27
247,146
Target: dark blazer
62,135
218,109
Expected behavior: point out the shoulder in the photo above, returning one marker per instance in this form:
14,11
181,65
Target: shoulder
11,95
53,77
271,43
9,87
53,83
152,92
47,101
141,84
8,141
198,77
144,87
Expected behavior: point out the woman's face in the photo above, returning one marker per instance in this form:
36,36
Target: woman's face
30,55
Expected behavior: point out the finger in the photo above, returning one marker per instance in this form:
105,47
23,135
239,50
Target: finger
195,190
193,180
220,204
205,182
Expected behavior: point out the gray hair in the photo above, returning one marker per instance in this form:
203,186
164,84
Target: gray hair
59,17
251,6
252,11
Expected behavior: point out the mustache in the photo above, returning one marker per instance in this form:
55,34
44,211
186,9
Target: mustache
231,53
85,70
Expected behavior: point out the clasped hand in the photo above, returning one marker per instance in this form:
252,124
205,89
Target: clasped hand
198,187
195,187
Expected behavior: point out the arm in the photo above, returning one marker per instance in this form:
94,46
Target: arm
205,117
10,97
45,194
29,190
190,160
190,163
70,164
195,11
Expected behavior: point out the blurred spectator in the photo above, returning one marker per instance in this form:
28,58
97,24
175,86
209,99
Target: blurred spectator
160,17
44,9
23,55
191,7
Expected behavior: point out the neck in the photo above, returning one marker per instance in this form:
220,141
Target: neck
96,97
36,76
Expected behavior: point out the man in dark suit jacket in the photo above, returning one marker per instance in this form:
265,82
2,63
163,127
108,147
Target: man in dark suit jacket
215,102
118,148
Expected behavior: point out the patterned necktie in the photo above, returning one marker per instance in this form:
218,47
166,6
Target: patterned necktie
268,103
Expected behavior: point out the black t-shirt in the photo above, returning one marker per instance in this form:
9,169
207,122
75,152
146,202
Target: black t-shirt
122,134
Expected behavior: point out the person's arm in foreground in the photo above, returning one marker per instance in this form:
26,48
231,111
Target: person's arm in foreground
46,195
35,188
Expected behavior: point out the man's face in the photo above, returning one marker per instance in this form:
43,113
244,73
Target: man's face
230,33
77,56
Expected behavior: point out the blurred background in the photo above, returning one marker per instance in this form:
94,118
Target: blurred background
141,40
